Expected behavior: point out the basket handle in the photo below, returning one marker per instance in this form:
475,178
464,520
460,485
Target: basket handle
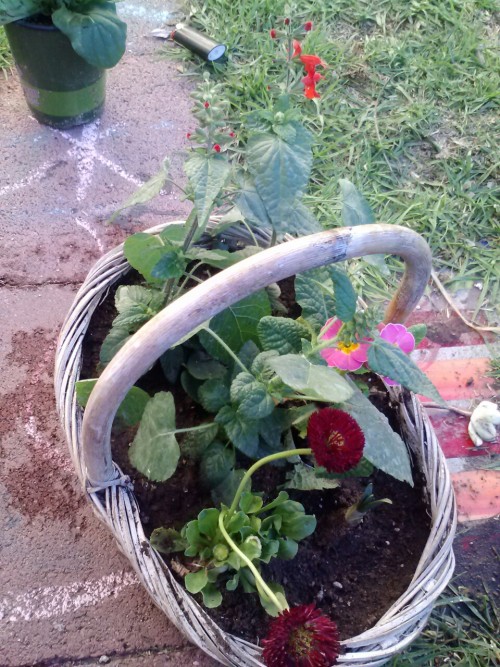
226,288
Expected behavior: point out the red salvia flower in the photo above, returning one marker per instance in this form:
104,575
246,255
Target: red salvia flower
232,135
310,63
336,439
301,637
273,33
216,148
297,48
308,26
206,105
286,21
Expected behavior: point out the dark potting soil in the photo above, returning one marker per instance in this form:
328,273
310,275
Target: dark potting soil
353,574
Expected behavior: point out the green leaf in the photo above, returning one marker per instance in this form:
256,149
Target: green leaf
213,395
208,521
260,367
281,171
95,32
388,360
190,385
250,503
300,221
167,540
131,408
113,342
357,211
224,492
316,303
171,265
236,325
319,382
419,332
216,464
243,433
268,604
136,305
251,396
295,524
251,205
147,191
171,363
196,581
232,584
281,334
207,175
305,478
287,549
155,451
211,596
383,447
363,469
279,500
194,443
203,367
345,296
13,10
143,252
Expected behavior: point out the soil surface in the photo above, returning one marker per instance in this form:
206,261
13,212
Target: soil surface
353,573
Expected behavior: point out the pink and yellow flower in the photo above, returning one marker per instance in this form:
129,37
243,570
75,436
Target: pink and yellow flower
347,357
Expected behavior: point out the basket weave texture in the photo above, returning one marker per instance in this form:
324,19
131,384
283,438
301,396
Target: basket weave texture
115,504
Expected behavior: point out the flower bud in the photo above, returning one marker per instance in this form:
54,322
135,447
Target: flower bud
221,552
308,26
216,148
273,33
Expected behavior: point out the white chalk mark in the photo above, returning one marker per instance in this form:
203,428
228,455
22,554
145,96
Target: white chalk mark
118,170
84,151
36,175
84,224
44,448
57,600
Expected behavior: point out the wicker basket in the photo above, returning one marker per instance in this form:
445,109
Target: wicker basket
112,496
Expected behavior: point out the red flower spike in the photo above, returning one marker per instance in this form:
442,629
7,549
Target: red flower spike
297,48
301,637
232,135
311,62
273,33
308,26
310,92
216,148
188,135
206,105
336,439
286,21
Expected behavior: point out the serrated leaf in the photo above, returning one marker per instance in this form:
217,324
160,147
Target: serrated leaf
94,30
345,296
243,433
260,367
167,540
216,463
388,360
194,443
383,447
143,252
236,325
136,305
357,211
146,192
286,131
319,382
305,478
131,408
155,451
224,492
114,341
300,221
196,581
251,396
251,205
281,171
203,367
281,334
207,174
213,395
171,265
316,303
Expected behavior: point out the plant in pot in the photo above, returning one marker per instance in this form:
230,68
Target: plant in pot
61,49
261,413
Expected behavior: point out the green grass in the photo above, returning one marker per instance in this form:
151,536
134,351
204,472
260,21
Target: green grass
462,632
409,113
5,55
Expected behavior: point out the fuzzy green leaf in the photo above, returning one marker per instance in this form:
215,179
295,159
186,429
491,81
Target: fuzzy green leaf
167,540
208,521
388,360
13,10
345,296
213,395
224,492
155,451
316,303
300,221
194,443
144,251
95,31
236,325
171,265
131,408
251,205
136,305
319,382
287,549
203,367
281,171
305,478
113,342
243,433
251,396
207,175
216,463
383,447
281,334
147,191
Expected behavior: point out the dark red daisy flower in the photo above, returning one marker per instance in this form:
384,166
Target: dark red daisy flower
336,439
301,637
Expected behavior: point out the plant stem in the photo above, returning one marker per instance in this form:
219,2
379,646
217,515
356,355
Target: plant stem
258,464
227,348
250,565
192,225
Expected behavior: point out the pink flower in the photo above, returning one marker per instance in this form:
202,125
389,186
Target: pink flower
346,357
398,335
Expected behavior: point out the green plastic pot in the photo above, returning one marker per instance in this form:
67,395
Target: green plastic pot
61,89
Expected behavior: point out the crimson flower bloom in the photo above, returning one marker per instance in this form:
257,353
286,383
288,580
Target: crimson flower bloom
297,48
273,33
301,637
216,148
346,357
286,21
206,105
310,63
308,26
336,439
